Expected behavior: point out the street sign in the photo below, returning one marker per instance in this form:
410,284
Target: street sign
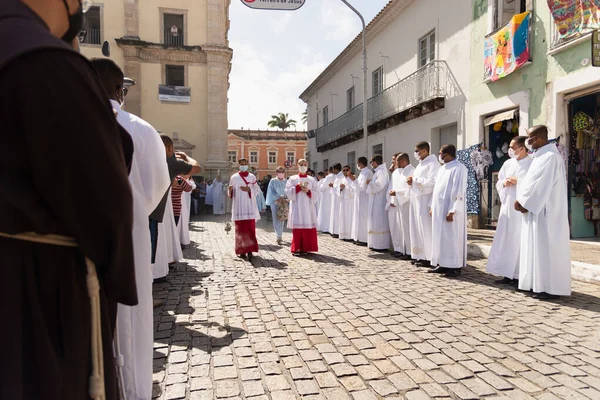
287,164
596,48
288,5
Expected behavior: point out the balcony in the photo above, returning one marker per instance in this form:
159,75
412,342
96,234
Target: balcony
558,42
174,39
421,92
92,36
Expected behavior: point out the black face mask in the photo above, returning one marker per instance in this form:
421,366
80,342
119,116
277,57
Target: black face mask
75,23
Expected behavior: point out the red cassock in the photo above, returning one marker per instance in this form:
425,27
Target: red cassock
304,240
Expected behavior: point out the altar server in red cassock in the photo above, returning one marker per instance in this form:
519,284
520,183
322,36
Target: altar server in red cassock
243,189
303,193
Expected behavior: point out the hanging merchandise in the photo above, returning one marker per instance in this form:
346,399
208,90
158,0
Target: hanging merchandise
498,126
481,159
472,200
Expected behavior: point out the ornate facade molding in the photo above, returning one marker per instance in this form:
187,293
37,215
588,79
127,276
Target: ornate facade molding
158,53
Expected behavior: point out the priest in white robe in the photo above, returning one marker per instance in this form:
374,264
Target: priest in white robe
377,224
243,189
324,214
303,192
208,201
397,205
346,193
360,233
336,201
184,217
449,215
149,179
422,183
218,196
504,254
545,259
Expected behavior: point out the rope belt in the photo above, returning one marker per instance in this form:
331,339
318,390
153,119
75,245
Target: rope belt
93,286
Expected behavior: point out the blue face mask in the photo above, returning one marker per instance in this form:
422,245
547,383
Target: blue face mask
243,168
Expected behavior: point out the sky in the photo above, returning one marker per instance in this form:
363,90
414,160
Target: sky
278,54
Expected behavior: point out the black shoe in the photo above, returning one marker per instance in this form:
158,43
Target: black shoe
405,257
437,270
452,272
544,296
241,255
250,256
504,281
397,254
347,240
297,254
423,263
360,244
335,236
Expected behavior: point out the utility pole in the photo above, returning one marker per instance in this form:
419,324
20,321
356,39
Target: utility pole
364,68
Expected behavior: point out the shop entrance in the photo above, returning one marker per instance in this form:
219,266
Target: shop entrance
584,164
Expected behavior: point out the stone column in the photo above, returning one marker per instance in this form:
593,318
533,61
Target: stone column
132,16
133,70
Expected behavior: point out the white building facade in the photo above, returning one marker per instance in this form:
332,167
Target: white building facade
418,82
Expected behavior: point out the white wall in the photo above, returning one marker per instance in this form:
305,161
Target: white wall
399,41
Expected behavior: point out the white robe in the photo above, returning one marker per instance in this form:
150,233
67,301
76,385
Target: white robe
360,233
545,259
302,214
243,206
449,239
398,215
346,208
218,198
324,214
504,254
174,253
149,179
184,217
420,200
336,203
209,196
378,224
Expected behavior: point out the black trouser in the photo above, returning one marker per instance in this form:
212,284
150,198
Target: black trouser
177,220
153,238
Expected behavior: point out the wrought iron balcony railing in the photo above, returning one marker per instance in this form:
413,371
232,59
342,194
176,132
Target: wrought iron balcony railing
427,83
174,39
92,36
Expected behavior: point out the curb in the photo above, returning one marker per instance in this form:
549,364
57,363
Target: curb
579,270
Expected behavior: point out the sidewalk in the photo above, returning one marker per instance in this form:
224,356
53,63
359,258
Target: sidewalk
585,254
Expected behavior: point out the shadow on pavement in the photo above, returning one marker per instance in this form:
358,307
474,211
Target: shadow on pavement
327,259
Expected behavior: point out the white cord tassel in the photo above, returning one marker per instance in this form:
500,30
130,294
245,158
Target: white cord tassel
119,362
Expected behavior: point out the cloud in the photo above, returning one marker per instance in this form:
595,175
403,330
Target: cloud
338,21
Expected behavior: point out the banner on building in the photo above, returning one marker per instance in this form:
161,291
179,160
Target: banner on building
179,94
274,4
574,17
508,48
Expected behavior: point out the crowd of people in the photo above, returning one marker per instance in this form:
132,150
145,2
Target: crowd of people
419,213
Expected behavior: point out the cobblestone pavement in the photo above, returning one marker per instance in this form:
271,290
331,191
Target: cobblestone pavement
350,323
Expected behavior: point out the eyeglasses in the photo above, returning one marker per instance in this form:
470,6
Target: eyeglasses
81,35
86,5
345,170
125,90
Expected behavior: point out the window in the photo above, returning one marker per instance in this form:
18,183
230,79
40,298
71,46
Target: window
173,29
504,10
175,75
315,167
350,99
272,157
291,156
377,81
254,157
352,160
325,115
378,150
325,165
232,156
427,49
91,24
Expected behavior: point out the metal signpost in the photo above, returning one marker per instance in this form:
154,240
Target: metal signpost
291,5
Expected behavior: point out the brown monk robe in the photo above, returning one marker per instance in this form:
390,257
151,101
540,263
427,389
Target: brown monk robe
63,170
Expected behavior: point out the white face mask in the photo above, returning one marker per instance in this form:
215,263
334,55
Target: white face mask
441,159
358,167
528,144
417,156
243,168
302,169
512,154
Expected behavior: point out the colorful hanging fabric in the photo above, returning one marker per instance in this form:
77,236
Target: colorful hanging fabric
508,48
574,17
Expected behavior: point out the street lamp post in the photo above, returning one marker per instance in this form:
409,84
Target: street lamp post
364,68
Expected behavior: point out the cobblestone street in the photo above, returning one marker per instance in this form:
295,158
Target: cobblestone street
350,323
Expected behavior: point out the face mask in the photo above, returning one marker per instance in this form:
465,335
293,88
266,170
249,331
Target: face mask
358,167
417,156
280,175
441,158
302,169
511,153
75,23
529,144
243,168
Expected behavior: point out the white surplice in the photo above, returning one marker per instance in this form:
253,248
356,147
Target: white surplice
504,254
302,214
378,224
449,239
398,214
218,198
545,259
346,208
243,205
361,206
209,196
149,179
184,217
324,214
336,203
174,253
420,199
